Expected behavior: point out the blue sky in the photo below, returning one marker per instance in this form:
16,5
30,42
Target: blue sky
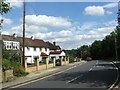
70,24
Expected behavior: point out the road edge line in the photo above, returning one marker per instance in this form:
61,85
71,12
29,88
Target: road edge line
113,85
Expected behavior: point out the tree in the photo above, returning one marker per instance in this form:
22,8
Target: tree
83,52
4,8
117,31
96,50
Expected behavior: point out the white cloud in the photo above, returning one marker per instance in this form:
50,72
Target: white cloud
109,12
16,3
5,33
94,10
6,21
100,10
110,5
111,23
68,38
47,21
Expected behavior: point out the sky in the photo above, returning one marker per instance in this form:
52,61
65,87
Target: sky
69,24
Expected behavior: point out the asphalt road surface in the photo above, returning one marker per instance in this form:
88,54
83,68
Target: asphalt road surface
93,74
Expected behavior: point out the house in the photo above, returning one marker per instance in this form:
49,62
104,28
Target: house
55,51
11,42
34,48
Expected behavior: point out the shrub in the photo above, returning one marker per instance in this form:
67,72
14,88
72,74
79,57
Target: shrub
6,64
18,69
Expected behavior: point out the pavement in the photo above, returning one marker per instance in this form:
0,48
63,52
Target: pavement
40,74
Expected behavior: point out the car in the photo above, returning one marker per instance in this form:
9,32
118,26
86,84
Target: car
58,63
89,59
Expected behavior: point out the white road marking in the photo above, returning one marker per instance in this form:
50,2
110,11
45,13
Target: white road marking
43,77
97,62
91,69
111,87
74,79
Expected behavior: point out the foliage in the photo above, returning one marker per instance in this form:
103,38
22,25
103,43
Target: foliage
18,69
6,64
83,52
11,60
71,54
96,50
4,8
104,49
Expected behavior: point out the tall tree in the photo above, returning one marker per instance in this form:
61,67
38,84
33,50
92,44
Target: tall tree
118,41
83,52
96,50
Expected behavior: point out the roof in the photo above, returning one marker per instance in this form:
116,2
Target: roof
55,52
31,42
43,54
28,41
53,47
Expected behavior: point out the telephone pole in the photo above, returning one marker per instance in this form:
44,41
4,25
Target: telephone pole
24,13
118,21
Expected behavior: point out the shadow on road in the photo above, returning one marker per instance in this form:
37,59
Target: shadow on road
94,78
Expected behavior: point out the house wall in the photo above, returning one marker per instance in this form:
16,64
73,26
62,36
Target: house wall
31,53
58,55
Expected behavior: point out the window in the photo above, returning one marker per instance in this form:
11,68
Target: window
28,48
34,48
9,45
14,46
45,49
40,49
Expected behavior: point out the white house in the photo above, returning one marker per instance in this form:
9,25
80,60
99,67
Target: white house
34,48
10,42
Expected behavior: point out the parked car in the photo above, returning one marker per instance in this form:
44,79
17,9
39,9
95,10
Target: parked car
58,63
89,59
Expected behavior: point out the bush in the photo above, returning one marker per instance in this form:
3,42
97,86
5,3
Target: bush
18,69
6,64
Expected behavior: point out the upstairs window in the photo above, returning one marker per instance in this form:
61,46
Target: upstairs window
40,49
45,49
34,48
28,48
9,45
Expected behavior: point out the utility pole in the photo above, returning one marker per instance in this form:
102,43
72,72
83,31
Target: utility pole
24,13
116,53
118,20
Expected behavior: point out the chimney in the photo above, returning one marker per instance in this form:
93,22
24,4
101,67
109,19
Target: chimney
54,43
14,35
32,37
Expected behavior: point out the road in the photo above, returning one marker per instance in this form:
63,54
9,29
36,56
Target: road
93,74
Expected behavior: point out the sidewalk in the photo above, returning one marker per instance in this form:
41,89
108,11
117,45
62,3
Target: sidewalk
39,74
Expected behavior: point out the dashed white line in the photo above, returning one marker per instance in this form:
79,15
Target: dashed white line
74,79
91,69
42,77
